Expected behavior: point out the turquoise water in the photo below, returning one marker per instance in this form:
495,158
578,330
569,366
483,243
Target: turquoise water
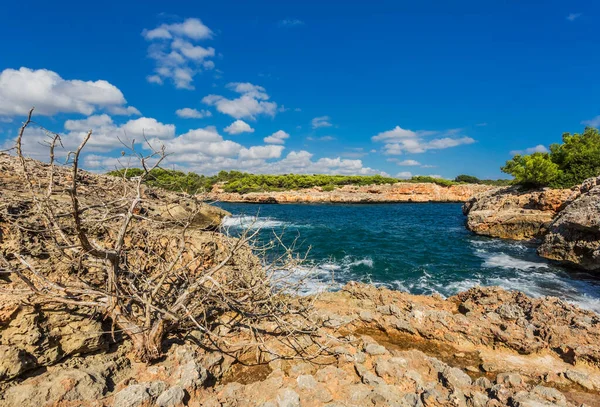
419,248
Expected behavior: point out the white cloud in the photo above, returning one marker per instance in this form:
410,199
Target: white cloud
573,16
595,122
399,140
238,127
189,113
123,111
177,58
22,89
324,138
322,121
252,102
192,28
404,174
149,128
290,22
537,149
278,137
409,163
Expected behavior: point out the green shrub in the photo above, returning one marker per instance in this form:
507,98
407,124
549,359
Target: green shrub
536,169
328,188
467,179
567,164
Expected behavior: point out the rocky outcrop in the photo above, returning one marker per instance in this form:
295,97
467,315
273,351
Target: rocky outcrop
399,192
566,221
483,347
514,212
574,236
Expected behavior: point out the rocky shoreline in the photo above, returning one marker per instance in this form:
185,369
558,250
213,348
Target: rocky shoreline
369,346
483,347
565,223
352,194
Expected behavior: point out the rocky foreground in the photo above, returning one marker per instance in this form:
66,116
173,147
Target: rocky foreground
399,192
566,223
483,347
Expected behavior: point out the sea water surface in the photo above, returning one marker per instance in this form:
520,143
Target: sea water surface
422,248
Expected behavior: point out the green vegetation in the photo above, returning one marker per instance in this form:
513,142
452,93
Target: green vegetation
567,164
469,179
235,181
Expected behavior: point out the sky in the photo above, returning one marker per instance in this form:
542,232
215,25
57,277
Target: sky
399,88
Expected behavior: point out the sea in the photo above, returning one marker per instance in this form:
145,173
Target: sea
420,248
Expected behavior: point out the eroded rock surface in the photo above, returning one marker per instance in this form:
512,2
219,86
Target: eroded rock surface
574,236
484,347
515,213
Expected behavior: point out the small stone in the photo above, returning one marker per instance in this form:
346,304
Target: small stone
472,369
478,399
366,316
488,367
375,349
483,382
360,357
171,397
550,394
510,379
306,382
454,378
132,396
192,375
156,388
287,397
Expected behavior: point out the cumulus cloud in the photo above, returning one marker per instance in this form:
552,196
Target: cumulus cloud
22,89
177,56
595,122
399,140
189,113
404,175
278,137
238,127
321,121
409,163
261,152
573,16
254,101
537,149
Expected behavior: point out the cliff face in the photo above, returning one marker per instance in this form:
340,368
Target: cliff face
566,221
574,236
513,213
399,192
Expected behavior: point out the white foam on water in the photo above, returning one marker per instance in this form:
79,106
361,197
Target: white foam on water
368,262
505,261
251,222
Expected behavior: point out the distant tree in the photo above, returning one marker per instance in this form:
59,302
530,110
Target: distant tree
467,179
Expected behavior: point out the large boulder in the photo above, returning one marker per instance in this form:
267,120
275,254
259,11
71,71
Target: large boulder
514,212
574,236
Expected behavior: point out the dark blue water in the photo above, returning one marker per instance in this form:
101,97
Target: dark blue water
419,248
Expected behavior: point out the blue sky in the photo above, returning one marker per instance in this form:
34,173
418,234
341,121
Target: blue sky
429,87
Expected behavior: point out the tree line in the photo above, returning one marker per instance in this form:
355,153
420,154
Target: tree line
240,182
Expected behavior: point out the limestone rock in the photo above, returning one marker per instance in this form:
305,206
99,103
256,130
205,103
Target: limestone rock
171,397
515,213
574,236
53,387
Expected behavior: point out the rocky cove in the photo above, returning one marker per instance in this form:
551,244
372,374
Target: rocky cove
373,346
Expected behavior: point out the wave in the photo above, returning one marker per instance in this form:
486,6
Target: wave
506,261
251,222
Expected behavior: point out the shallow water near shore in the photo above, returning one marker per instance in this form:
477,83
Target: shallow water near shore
420,248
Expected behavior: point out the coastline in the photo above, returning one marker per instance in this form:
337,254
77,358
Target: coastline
402,192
